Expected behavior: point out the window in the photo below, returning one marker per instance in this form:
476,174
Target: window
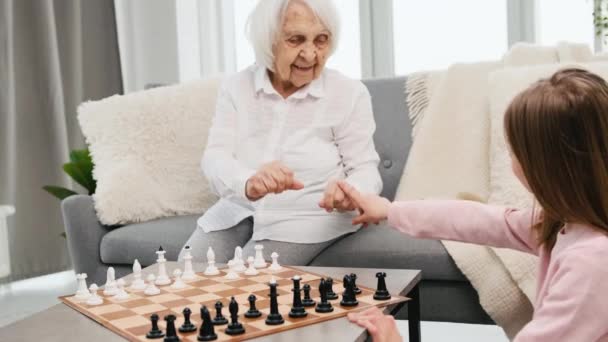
565,20
347,57
432,35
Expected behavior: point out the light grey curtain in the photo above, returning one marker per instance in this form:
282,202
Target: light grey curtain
53,56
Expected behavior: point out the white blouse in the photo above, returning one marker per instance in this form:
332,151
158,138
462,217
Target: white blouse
321,132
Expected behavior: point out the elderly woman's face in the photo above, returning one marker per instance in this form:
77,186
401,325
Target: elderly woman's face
302,46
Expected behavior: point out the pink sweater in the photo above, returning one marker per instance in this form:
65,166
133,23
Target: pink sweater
572,293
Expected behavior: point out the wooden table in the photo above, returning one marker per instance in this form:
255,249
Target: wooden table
61,323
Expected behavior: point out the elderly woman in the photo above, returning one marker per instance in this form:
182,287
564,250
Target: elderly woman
284,131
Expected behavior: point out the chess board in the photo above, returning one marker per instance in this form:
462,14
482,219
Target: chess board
130,318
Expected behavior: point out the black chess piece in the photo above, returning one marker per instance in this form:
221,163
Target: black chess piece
331,295
381,291
171,333
297,309
324,305
274,317
307,301
349,298
187,326
253,312
207,331
354,278
219,318
155,332
234,327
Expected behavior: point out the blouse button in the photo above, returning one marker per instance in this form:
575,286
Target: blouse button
387,163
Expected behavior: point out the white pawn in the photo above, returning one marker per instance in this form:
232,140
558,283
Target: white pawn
82,292
188,271
259,257
121,294
109,288
138,283
211,269
178,283
231,275
151,289
94,299
251,270
275,263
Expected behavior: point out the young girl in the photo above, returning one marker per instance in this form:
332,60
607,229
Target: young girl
557,131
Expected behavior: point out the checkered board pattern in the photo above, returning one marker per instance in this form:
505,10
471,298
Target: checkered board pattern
130,318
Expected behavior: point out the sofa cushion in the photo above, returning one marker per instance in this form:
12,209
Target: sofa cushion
141,240
384,247
393,136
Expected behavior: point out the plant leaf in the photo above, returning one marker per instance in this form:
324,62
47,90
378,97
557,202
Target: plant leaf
82,173
80,156
58,191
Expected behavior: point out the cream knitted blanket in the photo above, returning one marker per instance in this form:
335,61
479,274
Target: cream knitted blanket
450,158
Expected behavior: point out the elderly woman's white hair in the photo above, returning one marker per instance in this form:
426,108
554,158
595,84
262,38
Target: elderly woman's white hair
264,24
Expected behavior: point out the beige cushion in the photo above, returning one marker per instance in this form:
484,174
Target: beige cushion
147,147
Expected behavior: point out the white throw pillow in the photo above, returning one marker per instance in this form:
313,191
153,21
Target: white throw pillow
147,148
504,85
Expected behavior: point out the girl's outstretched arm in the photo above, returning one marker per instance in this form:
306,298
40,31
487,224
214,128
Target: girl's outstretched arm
457,220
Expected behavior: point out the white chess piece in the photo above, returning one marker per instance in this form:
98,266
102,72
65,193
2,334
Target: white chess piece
211,269
178,283
275,263
109,288
239,263
188,271
231,275
138,283
259,257
94,299
151,289
162,278
121,294
82,292
251,270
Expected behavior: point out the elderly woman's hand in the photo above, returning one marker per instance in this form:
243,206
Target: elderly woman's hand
335,198
381,327
372,208
273,177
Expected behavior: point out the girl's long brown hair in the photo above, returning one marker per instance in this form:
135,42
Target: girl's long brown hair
558,131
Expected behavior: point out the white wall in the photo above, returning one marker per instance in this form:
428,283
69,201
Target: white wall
147,38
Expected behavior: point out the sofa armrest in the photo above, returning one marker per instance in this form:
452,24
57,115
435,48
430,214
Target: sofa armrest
84,233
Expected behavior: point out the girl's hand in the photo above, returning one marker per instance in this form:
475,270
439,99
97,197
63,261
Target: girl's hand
372,208
381,327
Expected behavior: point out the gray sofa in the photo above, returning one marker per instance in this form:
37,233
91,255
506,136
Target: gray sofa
445,293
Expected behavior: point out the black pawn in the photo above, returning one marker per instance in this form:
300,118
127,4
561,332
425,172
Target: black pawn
274,317
354,278
307,301
253,312
297,309
323,306
207,331
349,298
187,326
381,291
234,327
171,333
219,318
331,295
155,332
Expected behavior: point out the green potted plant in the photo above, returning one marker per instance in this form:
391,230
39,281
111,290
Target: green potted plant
80,169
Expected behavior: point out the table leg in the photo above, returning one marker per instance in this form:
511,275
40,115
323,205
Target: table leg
413,314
